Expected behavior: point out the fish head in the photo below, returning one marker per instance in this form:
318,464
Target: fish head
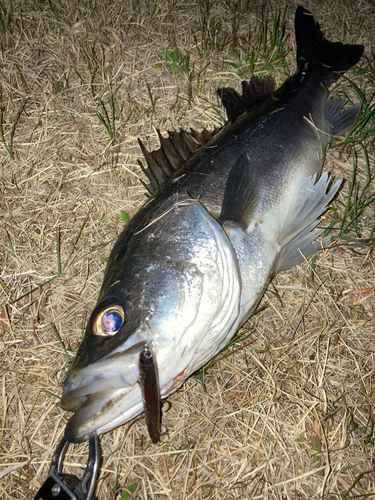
104,371
178,300
102,388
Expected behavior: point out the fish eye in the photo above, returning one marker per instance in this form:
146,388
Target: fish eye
109,320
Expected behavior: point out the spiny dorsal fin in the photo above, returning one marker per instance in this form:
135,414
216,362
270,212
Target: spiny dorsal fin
252,91
174,151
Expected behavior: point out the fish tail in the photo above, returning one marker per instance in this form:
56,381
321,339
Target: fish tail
312,47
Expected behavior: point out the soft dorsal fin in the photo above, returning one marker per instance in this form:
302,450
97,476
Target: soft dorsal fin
174,151
253,91
241,193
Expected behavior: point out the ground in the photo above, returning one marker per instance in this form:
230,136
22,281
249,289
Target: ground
287,412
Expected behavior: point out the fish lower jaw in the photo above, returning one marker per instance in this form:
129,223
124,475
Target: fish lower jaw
102,412
123,419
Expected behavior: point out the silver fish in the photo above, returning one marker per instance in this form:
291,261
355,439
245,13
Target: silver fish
228,212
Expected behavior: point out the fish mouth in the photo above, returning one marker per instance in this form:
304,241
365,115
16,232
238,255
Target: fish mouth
105,394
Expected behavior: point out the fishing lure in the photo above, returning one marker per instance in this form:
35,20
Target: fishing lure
149,382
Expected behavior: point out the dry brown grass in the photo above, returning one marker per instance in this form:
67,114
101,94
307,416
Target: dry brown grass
290,413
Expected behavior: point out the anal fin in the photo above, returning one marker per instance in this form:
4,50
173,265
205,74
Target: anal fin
298,235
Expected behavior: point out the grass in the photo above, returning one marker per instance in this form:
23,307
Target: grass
355,225
108,118
177,63
261,53
285,411
8,144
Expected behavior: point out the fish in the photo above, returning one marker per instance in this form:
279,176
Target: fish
228,209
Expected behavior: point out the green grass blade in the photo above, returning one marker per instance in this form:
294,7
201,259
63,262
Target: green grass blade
33,289
58,251
127,494
76,241
57,335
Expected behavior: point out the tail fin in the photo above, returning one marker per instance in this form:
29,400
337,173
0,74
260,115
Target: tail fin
313,47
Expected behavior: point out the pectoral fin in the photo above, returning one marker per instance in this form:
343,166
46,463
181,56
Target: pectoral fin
241,194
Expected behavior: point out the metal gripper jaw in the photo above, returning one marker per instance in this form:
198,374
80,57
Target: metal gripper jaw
62,486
